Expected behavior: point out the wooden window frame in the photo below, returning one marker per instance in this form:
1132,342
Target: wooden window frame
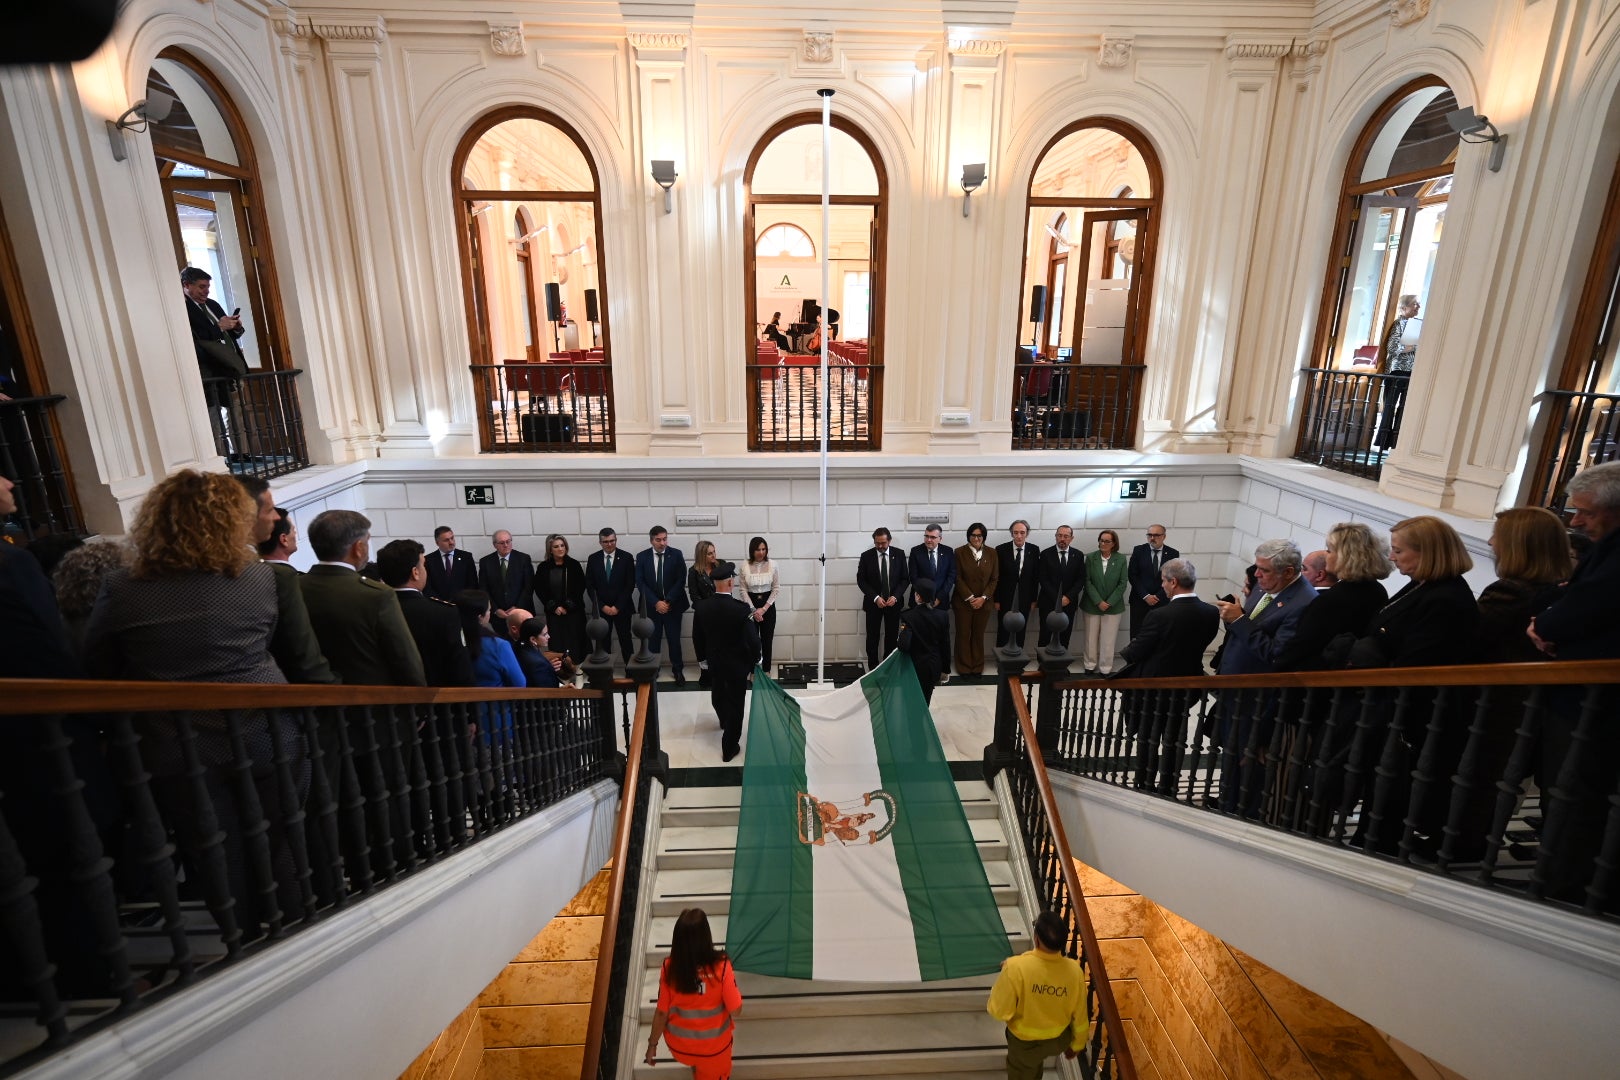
877,261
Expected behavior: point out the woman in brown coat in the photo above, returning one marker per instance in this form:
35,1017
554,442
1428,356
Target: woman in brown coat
977,572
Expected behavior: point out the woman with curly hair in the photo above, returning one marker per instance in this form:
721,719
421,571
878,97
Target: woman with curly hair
196,605
78,578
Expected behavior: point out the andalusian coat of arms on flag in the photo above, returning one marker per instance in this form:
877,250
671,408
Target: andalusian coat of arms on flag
854,859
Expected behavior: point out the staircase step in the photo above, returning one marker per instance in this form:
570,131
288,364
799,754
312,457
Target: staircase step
705,806
662,927
714,847
770,997
866,1046
710,889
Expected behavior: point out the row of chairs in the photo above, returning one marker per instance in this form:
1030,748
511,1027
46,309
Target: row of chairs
561,373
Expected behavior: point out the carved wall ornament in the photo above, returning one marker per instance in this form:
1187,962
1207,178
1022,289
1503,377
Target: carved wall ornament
1407,12
1114,52
1310,48
818,46
976,47
369,30
507,41
644,42
290,25
1257,50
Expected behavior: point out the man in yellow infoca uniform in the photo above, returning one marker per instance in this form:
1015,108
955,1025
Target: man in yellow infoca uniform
1041,997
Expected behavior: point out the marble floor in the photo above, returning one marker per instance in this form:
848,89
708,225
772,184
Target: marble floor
964,716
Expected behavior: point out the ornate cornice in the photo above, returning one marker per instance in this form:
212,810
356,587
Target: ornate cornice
1241,49
977,47
328,29
648,42
1407,12
1310,48
289,24
818,46
1115,51
507,40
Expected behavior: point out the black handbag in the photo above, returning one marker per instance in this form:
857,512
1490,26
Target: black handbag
222,359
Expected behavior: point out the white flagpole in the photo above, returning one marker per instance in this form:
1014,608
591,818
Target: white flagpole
824,397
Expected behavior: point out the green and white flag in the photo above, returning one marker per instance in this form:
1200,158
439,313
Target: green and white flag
854,859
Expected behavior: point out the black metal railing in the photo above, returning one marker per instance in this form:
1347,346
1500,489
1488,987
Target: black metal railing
1351,419
31,456
552,407
1578,430
1068,406
785,397
1057,885
258,425
152,831
1504,775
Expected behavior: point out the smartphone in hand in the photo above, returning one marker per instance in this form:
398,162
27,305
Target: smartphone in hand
1228,598
236,314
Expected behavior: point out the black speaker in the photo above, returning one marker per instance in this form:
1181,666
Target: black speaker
1037,304
592,312
808,311
553,302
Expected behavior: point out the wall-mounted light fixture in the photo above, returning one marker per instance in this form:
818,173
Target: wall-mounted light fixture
972,180
1474,128
155,109
663,173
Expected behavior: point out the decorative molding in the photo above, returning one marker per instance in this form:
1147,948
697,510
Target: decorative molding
1114,52
355,30
289,24
818,46
661,42
1407,12
1241,49
1310,48
976,47
507,40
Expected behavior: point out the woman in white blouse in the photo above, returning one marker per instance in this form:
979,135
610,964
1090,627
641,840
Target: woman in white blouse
759,579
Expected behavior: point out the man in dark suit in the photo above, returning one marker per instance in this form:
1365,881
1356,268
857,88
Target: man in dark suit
1017,587
661,581
1255,636
449,569
507,575
1147,560
725,631
1170,644
882,578
361,630
610,579
435,626
294,646
209,323
1063,576
934,562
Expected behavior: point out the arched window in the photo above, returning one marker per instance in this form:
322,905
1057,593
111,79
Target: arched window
210,181
531,209
1392,212
783,180
785,242
1088,269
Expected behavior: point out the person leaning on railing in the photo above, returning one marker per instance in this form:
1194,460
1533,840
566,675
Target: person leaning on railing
1582,625
196,605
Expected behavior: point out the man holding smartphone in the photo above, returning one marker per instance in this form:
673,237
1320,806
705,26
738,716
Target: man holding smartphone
219,358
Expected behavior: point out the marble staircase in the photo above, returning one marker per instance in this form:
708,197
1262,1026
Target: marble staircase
806,1029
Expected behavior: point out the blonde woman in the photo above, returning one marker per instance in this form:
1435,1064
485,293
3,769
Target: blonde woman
699,586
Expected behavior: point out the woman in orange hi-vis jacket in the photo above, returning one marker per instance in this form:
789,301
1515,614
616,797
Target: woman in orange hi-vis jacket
697,1001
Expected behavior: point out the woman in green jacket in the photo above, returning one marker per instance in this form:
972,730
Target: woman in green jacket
1103,601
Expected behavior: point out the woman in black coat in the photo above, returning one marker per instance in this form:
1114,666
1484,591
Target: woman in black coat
1359,559
1533,559
559,582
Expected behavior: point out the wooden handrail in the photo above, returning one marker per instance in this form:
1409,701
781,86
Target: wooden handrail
1551,673
1071,877
610,920
91,695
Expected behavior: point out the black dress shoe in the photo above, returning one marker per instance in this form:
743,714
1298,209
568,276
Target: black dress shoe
680,680
727,755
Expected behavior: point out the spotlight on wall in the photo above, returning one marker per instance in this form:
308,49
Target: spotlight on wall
155,109
972,180
1474,128
663,172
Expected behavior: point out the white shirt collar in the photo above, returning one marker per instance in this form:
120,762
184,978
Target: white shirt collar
329,562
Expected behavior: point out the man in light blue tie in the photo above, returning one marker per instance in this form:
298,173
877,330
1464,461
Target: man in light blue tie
661,581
